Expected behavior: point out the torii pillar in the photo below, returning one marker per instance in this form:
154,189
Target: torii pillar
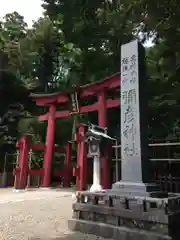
102,121
49,147
22,170
81,174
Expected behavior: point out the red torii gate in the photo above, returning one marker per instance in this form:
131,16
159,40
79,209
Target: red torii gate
22,170
98,89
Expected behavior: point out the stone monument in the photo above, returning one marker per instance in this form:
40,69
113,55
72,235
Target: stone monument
135,166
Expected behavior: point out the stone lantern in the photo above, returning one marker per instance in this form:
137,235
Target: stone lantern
95,137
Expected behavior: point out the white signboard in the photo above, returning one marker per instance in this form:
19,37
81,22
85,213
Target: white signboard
130,114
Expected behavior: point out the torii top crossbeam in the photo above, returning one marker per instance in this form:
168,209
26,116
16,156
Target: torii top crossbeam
94,89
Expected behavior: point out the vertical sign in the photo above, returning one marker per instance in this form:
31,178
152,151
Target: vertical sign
74,99
131,152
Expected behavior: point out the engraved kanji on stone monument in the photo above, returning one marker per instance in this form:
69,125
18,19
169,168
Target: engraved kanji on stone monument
132,134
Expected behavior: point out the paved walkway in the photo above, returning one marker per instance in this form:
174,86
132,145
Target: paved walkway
38,214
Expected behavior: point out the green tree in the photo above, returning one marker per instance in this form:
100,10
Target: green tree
99,28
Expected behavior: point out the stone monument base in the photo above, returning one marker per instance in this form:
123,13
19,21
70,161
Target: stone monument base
137,189
114,216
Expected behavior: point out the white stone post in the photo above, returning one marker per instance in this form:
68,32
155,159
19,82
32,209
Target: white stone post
96,175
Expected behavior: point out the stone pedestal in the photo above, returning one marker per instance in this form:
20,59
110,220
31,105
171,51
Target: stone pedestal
126,218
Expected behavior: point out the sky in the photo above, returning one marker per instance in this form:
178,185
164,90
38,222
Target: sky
29,9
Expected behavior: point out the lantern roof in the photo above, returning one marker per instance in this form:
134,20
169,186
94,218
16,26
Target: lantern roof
97,131
101,134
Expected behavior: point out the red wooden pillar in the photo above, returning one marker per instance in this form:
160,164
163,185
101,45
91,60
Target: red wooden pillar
49,147
67,165
77,167
102,121
23,163
81,179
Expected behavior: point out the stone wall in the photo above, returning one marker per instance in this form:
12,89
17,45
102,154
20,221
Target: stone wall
119,217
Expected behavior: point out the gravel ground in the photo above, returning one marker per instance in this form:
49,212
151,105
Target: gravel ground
38,214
